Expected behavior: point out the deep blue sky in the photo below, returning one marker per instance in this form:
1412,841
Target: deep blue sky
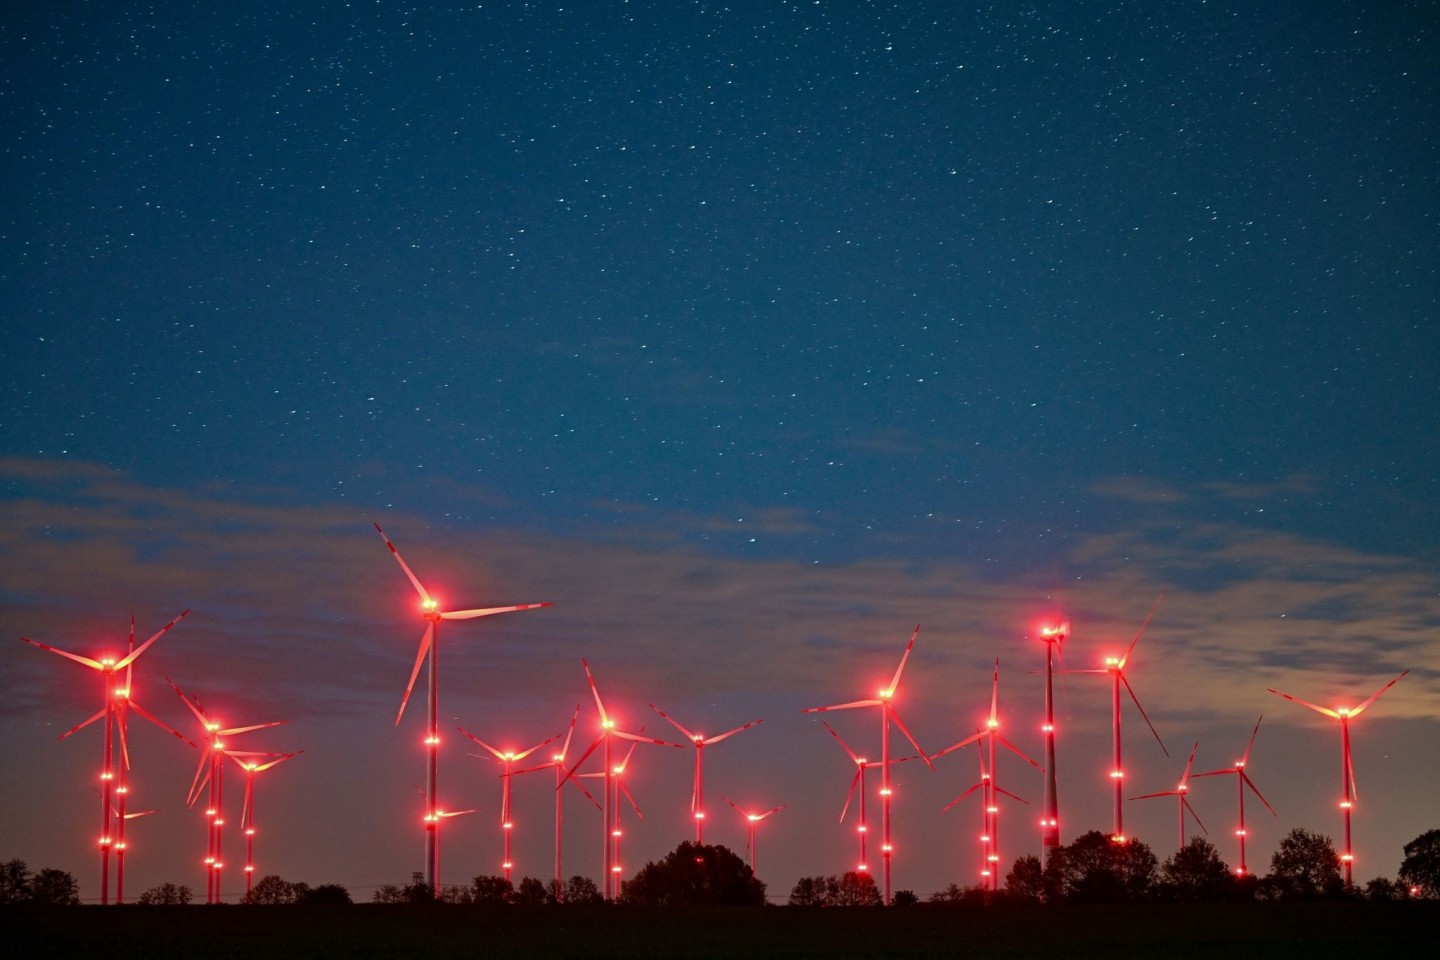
751,335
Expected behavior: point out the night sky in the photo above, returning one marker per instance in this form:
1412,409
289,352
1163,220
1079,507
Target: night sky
750,335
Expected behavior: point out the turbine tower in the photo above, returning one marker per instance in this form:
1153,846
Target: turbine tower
1347,771
752,820
507,759
1182,800
431,613
700,741
885,700
1242,780
1053,636
991,735
557,763
1115,669
611,807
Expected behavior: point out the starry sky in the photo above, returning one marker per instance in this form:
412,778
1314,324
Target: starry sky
750,335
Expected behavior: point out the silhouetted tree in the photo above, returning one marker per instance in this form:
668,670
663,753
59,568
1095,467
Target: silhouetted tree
166,895
904,898
14,882
695,874
580,889
389,893
327,894
490,889
270,890
809,892
55,888
1095,869
853,889
531,892
457,894
1421,867
1026,879
1305,867
953,893
1383,888
1195,873
418,891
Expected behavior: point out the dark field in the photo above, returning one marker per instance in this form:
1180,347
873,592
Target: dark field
1271,930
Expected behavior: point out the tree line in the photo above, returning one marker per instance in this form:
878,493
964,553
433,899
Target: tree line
1091,869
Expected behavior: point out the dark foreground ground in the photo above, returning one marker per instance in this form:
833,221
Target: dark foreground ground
1261,930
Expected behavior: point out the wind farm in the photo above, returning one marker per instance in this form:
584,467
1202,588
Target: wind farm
612,759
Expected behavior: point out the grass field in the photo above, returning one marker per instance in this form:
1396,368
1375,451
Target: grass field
1262,930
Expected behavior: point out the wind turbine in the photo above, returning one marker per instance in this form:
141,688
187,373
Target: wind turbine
1053,636
1115,668
430,648
1180,792
885,701
557,763
1242,780
1345,715
211,771
253,763
611,808
112,712
697,794
507,759
991,735
752,820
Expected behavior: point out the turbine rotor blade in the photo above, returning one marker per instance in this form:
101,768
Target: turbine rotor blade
1256,790
962,796
911,737
1376,695
425,640
86,661
1305,703
233,731
844,706
1246,756
956,746
161,723
83,724
854,782
134,655
731,733
599,704
1000,789
674,723
1186,804
1130,648
895,681
419,588
491,611
1136,699
843,745
498,754
1017,751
